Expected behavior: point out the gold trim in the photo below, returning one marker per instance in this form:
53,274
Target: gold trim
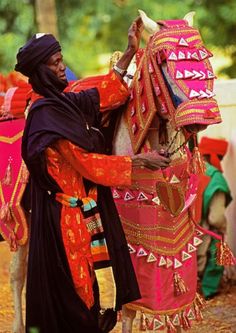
189,111
158,249
175,40
155,227
161,312
141,236
1,194
143,120
11,140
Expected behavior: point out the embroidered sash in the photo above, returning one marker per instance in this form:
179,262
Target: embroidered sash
101,259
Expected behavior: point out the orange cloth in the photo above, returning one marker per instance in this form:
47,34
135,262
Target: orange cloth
111,89
68,164
213,147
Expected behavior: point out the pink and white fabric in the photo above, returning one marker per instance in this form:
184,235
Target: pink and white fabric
187,59
162,239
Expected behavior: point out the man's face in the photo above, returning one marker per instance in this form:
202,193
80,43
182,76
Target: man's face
57,66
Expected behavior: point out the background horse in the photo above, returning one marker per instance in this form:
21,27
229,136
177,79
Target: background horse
162,94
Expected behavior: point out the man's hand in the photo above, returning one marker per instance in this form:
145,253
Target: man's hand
151,160
134,34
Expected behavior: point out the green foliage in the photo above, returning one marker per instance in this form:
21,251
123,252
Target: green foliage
91,28
97,27
16,25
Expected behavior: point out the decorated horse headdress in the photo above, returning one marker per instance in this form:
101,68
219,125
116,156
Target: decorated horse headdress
175,59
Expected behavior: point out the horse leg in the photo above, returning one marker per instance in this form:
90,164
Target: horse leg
17,279
127,319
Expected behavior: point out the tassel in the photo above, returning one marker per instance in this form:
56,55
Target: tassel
143,323
151,325
170,327
224,256
198,165
7,179
179,285
5,213
147,322
24,174
185,321
197,311
13,242
200,301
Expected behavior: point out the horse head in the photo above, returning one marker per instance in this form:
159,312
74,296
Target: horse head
174,79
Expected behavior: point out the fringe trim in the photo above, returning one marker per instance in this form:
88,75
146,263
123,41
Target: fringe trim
7,179
197,163
180,318
179,285
224,255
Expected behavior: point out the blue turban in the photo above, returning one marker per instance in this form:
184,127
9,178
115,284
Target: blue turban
36,51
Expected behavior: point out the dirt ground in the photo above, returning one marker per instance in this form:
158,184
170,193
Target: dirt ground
220,314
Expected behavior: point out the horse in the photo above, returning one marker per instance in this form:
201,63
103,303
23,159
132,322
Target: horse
15,220
155,118
171,100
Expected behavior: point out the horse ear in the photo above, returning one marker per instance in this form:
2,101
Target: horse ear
189,18
149,25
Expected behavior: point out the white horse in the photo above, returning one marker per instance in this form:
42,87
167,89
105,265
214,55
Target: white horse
127,141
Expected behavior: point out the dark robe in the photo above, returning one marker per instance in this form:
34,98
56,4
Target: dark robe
52,303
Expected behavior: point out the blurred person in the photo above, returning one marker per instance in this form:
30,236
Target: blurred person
216,198
76,235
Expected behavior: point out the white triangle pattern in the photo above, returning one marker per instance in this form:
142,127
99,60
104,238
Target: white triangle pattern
115,194
151,257
128,196
191,248
172,56
174,179
162,261
169,262
185,256
203,54
176,320
157,324
197,241
179,75
177,263
193,93
156,200
131,249
141,252
142,197
183,42
199,232
191,315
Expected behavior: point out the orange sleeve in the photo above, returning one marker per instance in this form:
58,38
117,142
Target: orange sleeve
101,169
113,92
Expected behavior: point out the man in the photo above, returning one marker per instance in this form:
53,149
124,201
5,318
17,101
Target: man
76,241
216,198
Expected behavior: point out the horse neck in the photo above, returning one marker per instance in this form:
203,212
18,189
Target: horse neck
122,142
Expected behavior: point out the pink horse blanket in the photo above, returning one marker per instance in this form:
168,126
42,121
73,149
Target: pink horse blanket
13,180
